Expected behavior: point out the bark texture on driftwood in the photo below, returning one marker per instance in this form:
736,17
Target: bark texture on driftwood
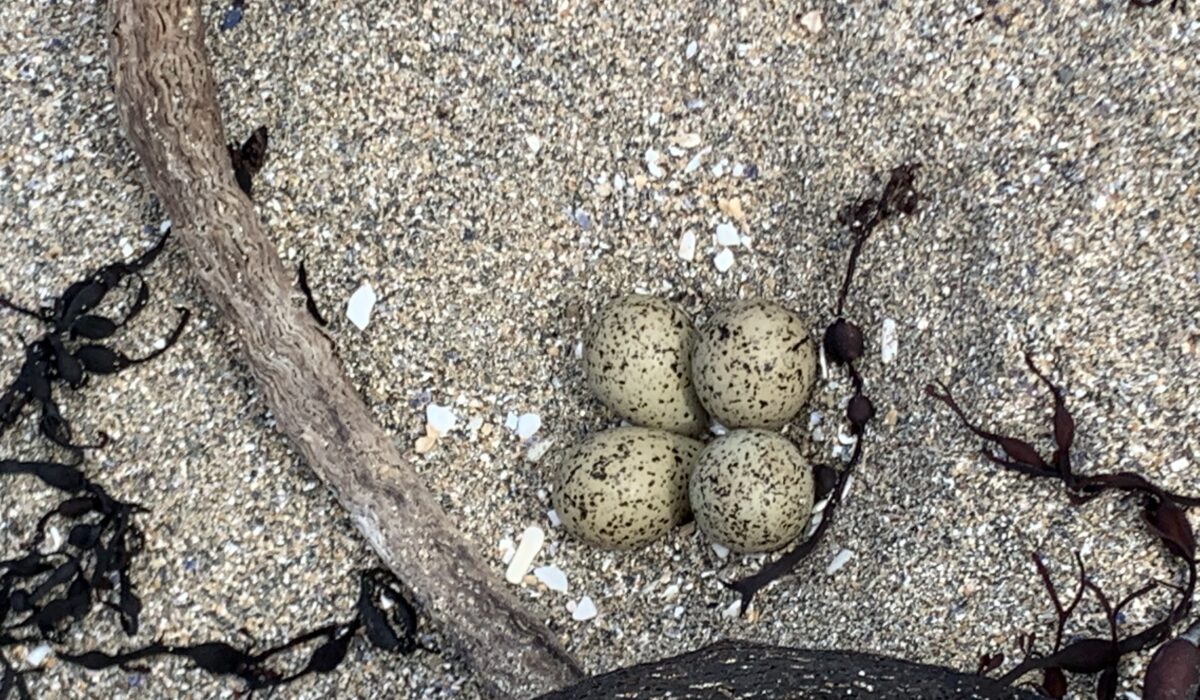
743,670
167,104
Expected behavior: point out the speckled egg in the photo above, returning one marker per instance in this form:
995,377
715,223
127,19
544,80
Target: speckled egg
754,365
637,358
625,487
752,491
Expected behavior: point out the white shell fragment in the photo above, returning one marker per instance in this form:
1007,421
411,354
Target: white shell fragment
534,143
839,560
440,418
527,551
38,655
727,235
723,261
358,309
539,450
687,246
889,344
527,425
585,609
553,577
813,22
652,157
507,549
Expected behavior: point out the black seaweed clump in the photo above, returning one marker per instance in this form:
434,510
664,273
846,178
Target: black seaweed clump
1174,671
43,593
843,344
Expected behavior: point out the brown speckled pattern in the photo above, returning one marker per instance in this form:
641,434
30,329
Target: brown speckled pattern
752,491
637,359
754,365
625,487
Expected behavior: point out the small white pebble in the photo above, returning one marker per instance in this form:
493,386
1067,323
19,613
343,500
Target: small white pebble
1179,464
534,143
527,425
839,560
38,655
692,48
687,246
358,309
688,140
732,610
164,226
813,22
671,592
694,164
721,550
553,577
552,516
585,609
727,235
889,344
723,260
531,543
678,612
440,418
474,424
652,158
510,421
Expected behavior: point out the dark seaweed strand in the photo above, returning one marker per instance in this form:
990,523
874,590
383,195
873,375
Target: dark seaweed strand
1163,513
44,595
899,196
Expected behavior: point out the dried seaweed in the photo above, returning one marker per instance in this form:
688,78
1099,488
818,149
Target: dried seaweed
843,344
44,593
248,158
1176,669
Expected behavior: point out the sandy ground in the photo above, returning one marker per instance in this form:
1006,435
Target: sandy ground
486,171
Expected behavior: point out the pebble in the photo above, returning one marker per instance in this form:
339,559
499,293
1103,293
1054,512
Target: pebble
721,550
723,260
692,48
534,143
727,235
539,450
553,577
38,655
440,418
839,560
531,543
732,208
507,549
1179,465
552,516
358,309
652,166
889,343
732,610
527,425
813,22
427,442
510,421
584,610
688,140
687,246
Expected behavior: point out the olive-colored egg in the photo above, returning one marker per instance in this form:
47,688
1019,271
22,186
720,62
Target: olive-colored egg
752,491
625,487
754,365
637,358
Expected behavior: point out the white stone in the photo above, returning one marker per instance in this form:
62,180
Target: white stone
889,343
164,226
671,592
721,550
531,543
694,164
727,235
527,425
723,260
687,246
652,158
1179,464
358,309
474,424
692,49
732,610
507,549
839,560
510,421
553,577
534,143
688,140
813,22
585,609
552,516
440,418
38,655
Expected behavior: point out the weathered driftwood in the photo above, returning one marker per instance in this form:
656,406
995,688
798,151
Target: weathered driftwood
167,103
744,670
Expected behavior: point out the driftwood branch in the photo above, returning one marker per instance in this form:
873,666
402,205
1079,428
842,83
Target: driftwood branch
744,670
168,108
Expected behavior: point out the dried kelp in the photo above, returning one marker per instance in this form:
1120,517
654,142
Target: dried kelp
1176,668
43,593
843,344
